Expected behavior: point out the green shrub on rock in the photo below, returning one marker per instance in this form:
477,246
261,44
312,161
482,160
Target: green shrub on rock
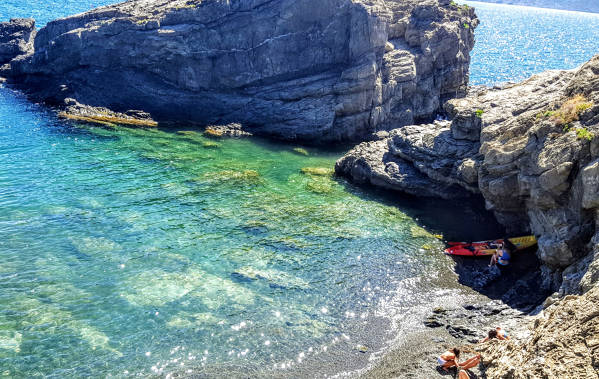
567,113
584,133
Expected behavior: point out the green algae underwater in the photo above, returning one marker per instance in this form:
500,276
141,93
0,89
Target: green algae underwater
150,252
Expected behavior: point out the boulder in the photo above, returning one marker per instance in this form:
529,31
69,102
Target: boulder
375,164
590,182
563,343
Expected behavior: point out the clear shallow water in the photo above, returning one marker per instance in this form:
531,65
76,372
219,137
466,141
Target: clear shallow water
151,251
515,42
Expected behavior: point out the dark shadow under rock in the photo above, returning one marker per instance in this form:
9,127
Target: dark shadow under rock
519,285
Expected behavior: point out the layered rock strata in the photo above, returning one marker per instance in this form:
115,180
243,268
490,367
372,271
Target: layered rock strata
530,149
294,69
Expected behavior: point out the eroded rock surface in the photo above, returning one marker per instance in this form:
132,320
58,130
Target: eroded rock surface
375,163
16,38
530,149
563,343
294,69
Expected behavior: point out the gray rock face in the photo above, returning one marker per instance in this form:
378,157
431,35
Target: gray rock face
372,163
416,159
16,38
561,343
294,69
531,150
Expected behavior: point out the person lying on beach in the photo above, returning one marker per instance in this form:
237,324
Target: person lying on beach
498,333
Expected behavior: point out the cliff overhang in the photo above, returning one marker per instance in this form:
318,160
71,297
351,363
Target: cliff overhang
531,150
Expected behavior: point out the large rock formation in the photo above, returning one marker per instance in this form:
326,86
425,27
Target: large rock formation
313,70
530,149
422,160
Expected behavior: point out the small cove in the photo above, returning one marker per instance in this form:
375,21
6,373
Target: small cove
149,251
139,251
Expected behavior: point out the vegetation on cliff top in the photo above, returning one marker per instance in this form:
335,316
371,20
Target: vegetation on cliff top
568,113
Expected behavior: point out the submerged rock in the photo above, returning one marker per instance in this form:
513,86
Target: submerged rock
294,69
275,278
320,185
317,171
301,151
232,177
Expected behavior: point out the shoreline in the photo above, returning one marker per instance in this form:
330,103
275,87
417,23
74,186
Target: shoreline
463,321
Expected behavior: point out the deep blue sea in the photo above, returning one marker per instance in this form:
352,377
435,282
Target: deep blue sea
515,42
148,252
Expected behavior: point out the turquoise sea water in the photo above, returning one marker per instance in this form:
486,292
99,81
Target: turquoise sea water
515,42
139,252
44,11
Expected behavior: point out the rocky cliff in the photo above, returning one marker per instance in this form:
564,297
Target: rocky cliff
16,38
293,69
529,149
563,342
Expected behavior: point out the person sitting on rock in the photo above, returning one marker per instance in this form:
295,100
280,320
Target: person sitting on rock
500,256
504,258
495,255
498,333
449,358
508,248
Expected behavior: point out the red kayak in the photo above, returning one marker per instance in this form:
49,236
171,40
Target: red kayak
486,248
